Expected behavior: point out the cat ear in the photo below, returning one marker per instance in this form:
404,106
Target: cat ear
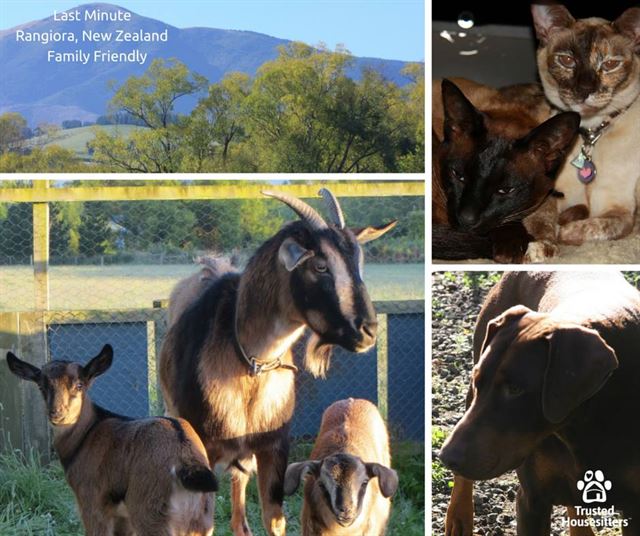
551,140
461,118
629,24
550,18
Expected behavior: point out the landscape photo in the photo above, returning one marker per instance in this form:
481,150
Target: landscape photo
101,88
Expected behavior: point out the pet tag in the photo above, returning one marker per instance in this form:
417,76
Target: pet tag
586,168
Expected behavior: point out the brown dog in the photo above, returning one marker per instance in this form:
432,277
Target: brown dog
555,394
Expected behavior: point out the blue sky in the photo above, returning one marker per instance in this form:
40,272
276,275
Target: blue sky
392,29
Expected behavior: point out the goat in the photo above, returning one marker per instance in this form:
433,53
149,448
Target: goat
144,476
342,495
226,363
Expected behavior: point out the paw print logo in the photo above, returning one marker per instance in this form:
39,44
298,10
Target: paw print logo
594,487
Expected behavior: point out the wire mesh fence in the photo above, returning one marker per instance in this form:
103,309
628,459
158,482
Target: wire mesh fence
110,261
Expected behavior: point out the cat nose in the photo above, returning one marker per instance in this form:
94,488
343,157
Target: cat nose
467,217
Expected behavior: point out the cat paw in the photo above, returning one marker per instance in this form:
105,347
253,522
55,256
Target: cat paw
539,252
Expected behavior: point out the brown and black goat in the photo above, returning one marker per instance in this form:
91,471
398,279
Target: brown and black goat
226,364
349,479
144,477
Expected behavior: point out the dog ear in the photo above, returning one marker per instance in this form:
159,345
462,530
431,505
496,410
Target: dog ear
513,314
579,363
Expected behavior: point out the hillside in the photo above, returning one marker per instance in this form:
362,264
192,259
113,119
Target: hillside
45,91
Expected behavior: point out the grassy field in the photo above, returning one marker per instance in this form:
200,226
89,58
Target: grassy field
76,139
35,500
137,286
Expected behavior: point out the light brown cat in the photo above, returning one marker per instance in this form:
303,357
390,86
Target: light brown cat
592,66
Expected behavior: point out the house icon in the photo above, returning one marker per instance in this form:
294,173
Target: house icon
594,487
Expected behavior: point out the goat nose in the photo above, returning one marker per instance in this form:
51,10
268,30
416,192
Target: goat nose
369,329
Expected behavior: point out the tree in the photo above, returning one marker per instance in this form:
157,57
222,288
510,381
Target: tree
414,99
94,232
151,99
12,131
218,120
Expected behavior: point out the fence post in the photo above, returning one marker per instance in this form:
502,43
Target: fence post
33,331
383,366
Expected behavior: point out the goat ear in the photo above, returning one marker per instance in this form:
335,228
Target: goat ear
292,254
550,141
22,369
387,478
317,356
367,234
548,19
99,364
579,363
513,314
296,472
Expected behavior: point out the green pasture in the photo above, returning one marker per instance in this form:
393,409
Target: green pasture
137,286
35,499
76,139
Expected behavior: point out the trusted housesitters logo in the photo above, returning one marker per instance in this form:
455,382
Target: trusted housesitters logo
594,487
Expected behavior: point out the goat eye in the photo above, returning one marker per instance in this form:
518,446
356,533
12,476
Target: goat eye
566,60
512,390
364,484
320,267
610,65
505,191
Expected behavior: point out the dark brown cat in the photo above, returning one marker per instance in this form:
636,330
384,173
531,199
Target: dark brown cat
495,165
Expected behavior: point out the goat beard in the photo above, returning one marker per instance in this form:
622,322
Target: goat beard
317,357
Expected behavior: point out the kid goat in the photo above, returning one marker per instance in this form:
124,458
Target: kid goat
226,363
349,480
148,477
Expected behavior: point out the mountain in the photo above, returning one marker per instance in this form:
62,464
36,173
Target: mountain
44,91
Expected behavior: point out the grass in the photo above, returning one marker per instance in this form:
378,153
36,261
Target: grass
137,286
35,499
76,139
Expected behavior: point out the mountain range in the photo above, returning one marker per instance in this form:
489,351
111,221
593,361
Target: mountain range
44,91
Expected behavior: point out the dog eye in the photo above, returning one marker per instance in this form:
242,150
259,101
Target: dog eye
512,390
565,60
610,65
79,386
505,191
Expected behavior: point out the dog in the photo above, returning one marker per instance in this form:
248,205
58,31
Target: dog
555,395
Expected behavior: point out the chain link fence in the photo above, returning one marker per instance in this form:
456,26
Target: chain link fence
112,264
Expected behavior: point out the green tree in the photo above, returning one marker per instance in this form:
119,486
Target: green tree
12,128
94,233
151,99
414,114
218,121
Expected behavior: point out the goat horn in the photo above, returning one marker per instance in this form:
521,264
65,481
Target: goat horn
307,213
334,207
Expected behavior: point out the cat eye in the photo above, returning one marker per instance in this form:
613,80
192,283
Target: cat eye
565,60
610,65
505,191
456,175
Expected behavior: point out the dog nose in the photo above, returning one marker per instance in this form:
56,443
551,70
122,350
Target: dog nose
451,457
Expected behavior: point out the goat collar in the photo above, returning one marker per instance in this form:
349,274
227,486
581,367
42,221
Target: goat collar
256,368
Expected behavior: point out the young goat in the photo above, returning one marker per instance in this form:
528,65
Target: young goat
226,363
349,481
148,477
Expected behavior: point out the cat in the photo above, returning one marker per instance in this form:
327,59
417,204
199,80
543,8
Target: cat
592,66
494,163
